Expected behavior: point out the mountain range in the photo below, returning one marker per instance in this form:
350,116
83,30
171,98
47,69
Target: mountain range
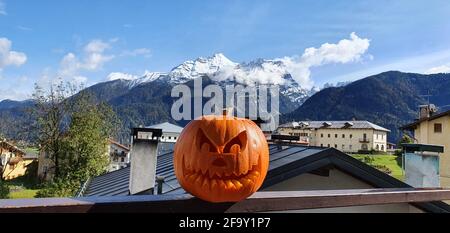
389,99
147,100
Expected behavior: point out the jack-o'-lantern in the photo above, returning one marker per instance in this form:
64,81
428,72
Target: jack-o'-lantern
221,158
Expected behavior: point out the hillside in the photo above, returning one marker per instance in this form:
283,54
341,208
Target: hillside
389,99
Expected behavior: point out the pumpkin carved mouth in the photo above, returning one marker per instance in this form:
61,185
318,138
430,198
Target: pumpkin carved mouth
211,180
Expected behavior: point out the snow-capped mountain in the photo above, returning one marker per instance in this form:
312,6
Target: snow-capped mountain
222,70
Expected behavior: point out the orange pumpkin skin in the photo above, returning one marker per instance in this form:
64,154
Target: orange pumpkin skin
221,158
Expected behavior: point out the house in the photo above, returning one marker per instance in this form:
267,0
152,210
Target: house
292,168
346,136
433,128
119,155
170,131
14,161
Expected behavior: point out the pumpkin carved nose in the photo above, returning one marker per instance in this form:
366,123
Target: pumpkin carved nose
219,162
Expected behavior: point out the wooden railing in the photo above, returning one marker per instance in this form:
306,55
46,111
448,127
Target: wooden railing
259,202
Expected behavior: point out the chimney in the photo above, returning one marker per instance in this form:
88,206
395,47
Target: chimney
426,111
143,155
421,165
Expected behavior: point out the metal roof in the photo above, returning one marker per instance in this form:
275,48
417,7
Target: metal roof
167,127
116,183
286,161
334,125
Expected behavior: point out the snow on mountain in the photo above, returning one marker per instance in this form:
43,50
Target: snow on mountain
221,69
201,66
338,84
146,78
123,76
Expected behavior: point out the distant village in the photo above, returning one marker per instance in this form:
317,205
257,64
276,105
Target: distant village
304,155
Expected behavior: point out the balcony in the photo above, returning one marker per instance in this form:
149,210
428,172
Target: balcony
278,201
364,140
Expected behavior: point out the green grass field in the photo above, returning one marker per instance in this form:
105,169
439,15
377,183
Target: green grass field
390,161
25,193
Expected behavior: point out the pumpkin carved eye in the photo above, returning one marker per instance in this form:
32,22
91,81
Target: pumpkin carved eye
236,144
203,142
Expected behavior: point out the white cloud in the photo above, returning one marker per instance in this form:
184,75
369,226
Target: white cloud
9,57
79,80
439,69
23,28
92,59
2,8
345,51
96,46
118,75
137,52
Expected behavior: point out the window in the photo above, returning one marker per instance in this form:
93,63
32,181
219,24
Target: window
328,145
343,147
351,135
329,135
350,147
335,135
335,146
438,128
321,135
343,135
321,145
382,147
378,147
122,160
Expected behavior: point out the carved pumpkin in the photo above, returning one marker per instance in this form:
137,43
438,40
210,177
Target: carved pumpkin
221,158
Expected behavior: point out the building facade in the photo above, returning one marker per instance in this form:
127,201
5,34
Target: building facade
346,136
170,131
13,161
119,155
434,128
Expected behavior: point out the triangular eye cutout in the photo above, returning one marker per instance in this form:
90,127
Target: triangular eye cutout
202,139
240,140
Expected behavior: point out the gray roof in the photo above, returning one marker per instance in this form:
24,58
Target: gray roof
286,161
334,125
116,183
167,127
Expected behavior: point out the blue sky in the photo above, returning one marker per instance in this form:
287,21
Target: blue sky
91,39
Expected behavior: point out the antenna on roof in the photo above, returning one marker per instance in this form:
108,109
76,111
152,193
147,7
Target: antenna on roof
428,95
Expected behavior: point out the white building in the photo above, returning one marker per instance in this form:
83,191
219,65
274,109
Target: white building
346,136
170,131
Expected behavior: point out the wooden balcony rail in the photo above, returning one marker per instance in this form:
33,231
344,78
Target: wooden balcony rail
259,202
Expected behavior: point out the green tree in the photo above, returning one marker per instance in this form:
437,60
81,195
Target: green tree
76,138
50,113
405,139
86,139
